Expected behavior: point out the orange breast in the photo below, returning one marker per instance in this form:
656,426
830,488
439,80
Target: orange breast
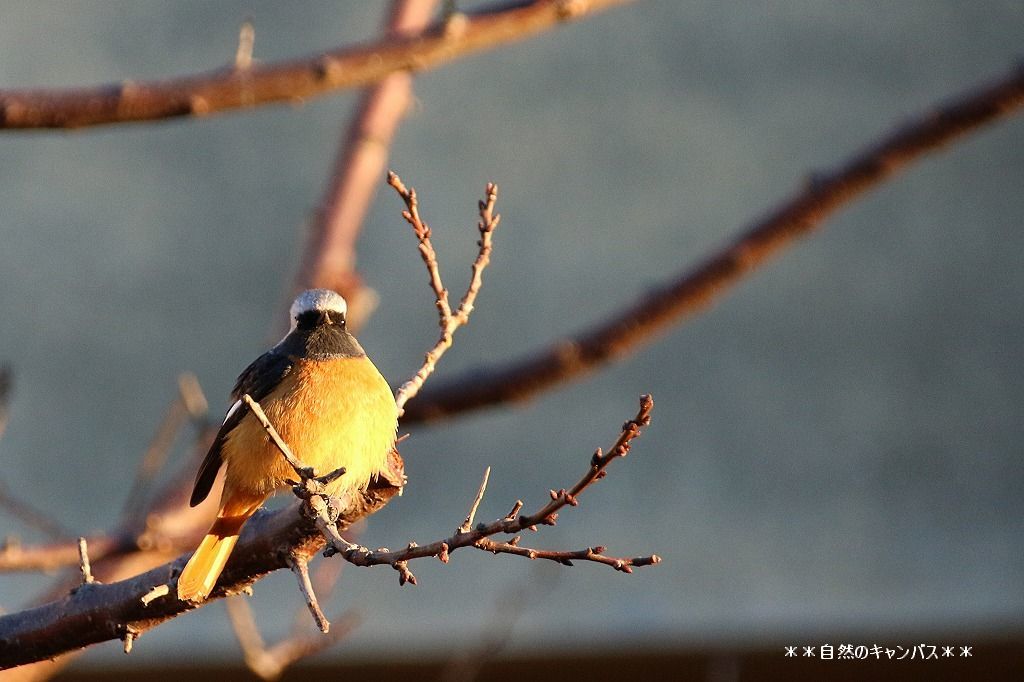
332,413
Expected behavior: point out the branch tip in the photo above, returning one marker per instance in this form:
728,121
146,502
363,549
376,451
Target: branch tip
128,638
154,594
300,567
83,559
246,41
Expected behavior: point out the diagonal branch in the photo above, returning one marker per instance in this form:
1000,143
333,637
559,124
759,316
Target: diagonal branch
287,81
694,290
190,404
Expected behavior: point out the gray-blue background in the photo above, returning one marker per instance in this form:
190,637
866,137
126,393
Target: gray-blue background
836,444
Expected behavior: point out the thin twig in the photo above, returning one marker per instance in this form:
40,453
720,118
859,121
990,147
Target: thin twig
246,41
594,554
300,568
468,523
287,81
693,290
286,451
128,638
83,558
448,320
324,579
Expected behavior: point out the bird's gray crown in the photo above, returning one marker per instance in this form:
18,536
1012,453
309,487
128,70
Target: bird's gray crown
320,300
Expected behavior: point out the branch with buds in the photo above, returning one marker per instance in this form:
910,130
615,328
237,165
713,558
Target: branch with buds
320,507
449,320
478,536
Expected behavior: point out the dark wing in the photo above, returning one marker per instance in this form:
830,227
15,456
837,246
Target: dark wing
258,380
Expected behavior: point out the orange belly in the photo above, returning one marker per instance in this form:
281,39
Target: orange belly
331,413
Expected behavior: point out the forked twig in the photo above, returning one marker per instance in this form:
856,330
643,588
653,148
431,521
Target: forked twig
319,509
448,319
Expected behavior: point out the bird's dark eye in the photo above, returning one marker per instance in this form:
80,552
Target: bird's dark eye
315,318
307,319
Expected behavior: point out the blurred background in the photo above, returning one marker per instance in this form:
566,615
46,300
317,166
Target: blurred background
836,445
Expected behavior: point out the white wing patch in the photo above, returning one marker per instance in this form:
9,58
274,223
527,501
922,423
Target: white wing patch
234,408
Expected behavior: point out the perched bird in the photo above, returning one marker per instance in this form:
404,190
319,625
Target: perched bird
326,400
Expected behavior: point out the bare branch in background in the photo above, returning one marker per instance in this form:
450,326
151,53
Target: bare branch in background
449,320
26,512
144,527
189,404
694,290
288,81
509,606
6,385
269,662
31,516
329,256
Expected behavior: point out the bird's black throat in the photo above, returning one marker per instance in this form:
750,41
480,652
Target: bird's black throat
320,336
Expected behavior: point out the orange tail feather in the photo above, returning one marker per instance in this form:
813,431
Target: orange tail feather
201,572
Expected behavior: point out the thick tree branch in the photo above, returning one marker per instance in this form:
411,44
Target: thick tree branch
98,612
694,290
288,81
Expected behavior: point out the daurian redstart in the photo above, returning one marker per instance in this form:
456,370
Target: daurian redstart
329,404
